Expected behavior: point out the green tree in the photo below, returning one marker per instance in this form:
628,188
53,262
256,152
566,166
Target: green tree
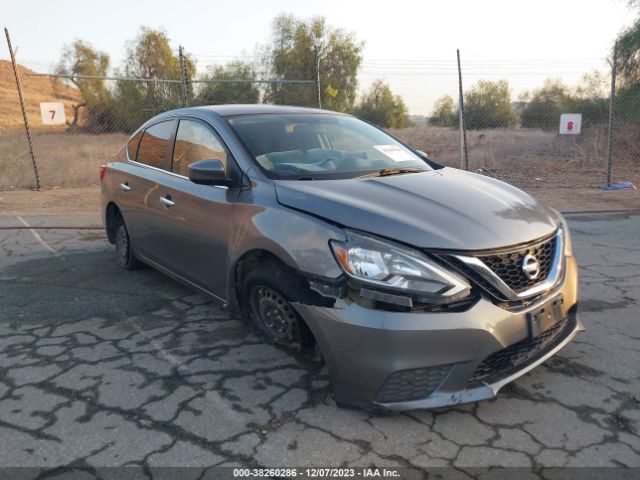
219,93
295,47
444,112
488,105
627,106
593,86
380,106
591,99
545,106
628,54
149,56
80,58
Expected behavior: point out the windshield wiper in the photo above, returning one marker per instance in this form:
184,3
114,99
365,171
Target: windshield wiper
387,172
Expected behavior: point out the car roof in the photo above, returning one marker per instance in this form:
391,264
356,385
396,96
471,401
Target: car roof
217,111
240,109
253,109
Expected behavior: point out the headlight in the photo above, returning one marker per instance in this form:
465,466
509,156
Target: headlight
394,267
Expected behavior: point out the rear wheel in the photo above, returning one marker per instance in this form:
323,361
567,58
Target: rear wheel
124,251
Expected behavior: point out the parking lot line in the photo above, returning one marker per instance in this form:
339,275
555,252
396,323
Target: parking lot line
36,235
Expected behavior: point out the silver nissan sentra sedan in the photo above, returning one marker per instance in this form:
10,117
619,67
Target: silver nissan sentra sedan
418,285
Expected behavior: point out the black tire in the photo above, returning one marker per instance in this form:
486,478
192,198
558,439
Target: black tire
266,293
124,250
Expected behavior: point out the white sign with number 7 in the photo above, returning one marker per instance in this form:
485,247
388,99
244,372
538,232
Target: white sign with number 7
52,113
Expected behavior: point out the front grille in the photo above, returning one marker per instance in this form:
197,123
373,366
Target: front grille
474,276
509,360
407,385
508,266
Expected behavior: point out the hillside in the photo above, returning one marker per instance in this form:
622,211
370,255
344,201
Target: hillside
35,90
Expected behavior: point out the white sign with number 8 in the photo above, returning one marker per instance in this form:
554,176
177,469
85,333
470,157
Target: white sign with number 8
570,123
52,113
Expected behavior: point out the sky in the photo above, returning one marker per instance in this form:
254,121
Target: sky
410,44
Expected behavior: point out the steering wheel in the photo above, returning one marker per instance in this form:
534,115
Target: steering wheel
332,157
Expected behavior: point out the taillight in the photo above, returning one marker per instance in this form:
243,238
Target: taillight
103,169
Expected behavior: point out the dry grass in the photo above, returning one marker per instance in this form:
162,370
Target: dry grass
524,157
64,160
498,148
529,157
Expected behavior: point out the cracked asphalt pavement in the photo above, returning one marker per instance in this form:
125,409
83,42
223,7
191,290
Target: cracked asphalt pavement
103,367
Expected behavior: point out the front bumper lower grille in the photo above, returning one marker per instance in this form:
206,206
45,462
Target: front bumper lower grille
407,385
508,361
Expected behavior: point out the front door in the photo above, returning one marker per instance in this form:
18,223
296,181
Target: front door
196,219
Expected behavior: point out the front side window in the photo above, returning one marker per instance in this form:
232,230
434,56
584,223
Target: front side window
195,141
154,145
322,146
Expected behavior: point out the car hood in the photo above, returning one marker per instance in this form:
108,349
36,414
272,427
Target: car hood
442,209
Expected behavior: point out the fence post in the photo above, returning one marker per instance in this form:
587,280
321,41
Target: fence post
611,107
183,76
24,109
464,160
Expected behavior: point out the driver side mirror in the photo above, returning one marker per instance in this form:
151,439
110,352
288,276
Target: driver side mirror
208,172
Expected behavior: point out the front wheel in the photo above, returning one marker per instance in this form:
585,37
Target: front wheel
275,317
266,293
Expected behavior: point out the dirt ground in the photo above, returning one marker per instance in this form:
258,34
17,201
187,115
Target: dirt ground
86,201
52,201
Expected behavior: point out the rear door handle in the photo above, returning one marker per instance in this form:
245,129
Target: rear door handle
166,201
125,186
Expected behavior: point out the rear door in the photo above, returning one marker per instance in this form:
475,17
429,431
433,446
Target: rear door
148,171
120,179
195,219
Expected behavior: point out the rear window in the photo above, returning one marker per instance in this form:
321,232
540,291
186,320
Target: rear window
132,145
154,145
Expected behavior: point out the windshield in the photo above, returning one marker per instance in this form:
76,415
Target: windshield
319,146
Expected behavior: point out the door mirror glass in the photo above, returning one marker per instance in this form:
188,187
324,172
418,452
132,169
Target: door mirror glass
208,172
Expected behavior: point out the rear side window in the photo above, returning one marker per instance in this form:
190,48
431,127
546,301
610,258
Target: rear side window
154,144
132,145
195,141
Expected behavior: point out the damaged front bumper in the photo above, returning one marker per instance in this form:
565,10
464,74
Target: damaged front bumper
403,361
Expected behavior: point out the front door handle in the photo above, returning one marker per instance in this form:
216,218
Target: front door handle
125,186
166,201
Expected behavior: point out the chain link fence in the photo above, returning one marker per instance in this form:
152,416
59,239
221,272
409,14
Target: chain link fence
512,117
